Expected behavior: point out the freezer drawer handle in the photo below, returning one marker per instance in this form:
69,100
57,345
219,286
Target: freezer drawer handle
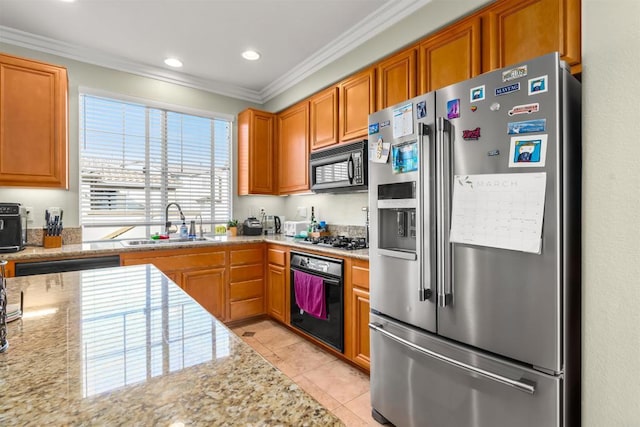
527,388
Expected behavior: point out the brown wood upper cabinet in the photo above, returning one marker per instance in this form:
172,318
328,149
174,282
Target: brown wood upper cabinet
357,101
293,149
33,124
397,79
518,30
450,56
256,152
323,108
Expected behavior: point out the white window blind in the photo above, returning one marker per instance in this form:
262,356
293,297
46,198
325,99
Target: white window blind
135,159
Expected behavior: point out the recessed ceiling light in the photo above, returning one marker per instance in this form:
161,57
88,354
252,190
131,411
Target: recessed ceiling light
251,55
173,62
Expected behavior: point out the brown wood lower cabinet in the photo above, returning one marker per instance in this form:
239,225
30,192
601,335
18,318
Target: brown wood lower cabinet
277,283
207,287
201,272
357,312
246,281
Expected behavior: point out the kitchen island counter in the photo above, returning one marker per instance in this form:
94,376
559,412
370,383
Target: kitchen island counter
146,354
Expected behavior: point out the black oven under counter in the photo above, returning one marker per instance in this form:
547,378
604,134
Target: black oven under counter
317,297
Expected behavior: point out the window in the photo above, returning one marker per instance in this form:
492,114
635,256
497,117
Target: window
137,158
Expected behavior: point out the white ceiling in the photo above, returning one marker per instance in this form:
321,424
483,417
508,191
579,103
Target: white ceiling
295,37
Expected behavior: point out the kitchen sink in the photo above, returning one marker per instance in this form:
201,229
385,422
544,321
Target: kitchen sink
151,242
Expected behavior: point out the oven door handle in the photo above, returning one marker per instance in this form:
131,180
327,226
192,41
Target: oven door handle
332,282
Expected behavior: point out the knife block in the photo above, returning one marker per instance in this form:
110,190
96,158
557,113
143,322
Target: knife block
52,242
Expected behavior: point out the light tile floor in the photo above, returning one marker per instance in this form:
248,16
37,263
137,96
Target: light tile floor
341,388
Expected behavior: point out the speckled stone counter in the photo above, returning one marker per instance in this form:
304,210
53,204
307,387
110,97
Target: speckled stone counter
116,247
126,346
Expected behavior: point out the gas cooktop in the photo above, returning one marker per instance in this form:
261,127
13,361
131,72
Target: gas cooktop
341,242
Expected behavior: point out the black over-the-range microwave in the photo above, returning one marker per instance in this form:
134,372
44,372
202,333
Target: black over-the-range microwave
340,169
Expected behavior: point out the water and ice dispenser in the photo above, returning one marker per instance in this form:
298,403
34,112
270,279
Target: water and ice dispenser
397,205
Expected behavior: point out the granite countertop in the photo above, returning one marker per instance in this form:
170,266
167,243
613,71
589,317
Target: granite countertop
146,355
116,247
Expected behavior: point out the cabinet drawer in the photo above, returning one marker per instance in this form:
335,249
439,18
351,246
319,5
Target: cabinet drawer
246,290
277,256
177,262
360,275
246,272
246,308
246,256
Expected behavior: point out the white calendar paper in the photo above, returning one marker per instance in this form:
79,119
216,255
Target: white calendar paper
499,210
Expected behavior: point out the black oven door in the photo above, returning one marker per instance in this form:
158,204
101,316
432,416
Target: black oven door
329,330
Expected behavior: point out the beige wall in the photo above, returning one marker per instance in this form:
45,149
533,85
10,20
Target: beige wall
611,204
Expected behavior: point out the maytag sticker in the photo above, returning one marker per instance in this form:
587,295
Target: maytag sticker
527,126
471,134
373,128
514,73
421,109
453,109
538,85
514,87
524,109
476,94
527,152
385,124
493,153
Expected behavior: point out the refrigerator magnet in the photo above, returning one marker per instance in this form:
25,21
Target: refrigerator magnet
527,126
513,87
453,109
476,94
538,85
379,151
527,151
373,128
514,73
421,109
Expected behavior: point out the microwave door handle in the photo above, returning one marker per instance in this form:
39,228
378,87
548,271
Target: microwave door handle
350,167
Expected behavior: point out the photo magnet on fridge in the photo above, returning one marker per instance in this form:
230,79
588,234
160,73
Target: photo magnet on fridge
538,85
421,109
527,126
476,94
527,152
453,109
373,128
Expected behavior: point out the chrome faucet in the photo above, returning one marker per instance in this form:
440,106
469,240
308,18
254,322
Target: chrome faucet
167,223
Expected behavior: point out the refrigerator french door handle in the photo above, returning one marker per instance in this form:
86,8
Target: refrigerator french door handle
519,385
424,293
443,196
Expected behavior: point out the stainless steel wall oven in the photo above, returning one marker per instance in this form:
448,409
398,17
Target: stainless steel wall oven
331,272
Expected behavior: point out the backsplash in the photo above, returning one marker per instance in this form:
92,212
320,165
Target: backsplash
70,236
347,230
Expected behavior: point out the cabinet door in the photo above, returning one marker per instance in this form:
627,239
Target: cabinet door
324,118
519,30
276,292
206,287
33,124
256,152
451,56
397,80
360,317
293,149
357,101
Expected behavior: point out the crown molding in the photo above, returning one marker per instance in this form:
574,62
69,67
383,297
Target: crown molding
390,13
91,56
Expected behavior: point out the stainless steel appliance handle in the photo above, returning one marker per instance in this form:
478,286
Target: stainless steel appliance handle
424,293
443,195
350,168
527,388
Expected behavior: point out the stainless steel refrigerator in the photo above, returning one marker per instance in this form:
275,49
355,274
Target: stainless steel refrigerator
474,196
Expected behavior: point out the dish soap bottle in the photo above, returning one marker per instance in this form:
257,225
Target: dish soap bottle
184,232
